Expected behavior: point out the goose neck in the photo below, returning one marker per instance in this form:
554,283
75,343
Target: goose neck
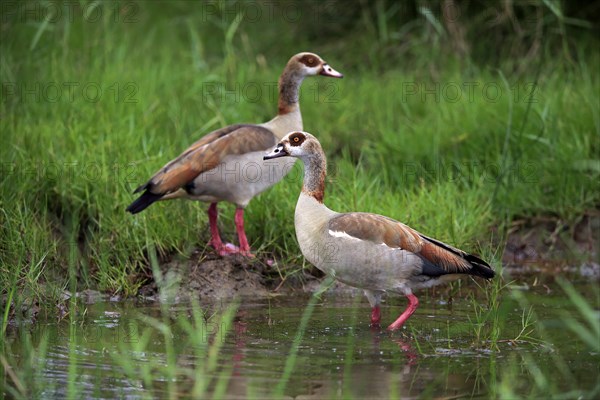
315,171
289,91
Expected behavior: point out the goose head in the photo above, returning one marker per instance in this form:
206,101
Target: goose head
310,64
297,144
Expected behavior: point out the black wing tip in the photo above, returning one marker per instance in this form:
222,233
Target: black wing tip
143,202
141,187
480,267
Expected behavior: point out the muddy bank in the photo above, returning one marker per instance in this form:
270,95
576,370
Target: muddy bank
550,246
208,276
535,246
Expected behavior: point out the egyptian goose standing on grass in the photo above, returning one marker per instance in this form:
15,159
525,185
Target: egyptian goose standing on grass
227,164
368,251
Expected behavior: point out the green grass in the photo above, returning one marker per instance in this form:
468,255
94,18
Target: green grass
452,169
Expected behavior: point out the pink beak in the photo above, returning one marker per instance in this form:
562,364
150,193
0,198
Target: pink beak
328,71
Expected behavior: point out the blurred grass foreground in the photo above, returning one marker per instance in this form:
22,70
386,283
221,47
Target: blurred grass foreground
456,117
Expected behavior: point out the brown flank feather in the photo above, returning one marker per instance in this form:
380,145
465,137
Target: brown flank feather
379,229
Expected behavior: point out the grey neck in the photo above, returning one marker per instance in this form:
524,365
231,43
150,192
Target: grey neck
315,171
289,91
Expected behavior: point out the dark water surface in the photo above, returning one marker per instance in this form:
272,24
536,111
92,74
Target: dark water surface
437,354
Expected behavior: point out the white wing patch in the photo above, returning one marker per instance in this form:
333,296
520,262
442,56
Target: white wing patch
340,234
344,235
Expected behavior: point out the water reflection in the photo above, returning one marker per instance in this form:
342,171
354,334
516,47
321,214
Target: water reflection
335,360
338,354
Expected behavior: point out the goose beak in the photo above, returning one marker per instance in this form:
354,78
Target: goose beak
328,71
277,152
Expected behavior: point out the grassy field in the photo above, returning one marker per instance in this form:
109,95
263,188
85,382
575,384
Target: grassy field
455,143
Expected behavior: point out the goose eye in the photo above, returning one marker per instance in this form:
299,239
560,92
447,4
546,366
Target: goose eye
309,61
296,140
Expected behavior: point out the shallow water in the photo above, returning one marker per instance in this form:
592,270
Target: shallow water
437,354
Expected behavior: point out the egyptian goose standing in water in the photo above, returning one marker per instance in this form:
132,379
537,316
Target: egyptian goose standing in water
227,164
368,251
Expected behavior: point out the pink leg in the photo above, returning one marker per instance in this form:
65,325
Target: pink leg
239,225
213,216
375,316
215,240
374,298
413,303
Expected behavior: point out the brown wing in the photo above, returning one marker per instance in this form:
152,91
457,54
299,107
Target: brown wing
379,229
206,154
214,135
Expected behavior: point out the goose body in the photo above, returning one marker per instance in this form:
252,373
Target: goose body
227,164
364,250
